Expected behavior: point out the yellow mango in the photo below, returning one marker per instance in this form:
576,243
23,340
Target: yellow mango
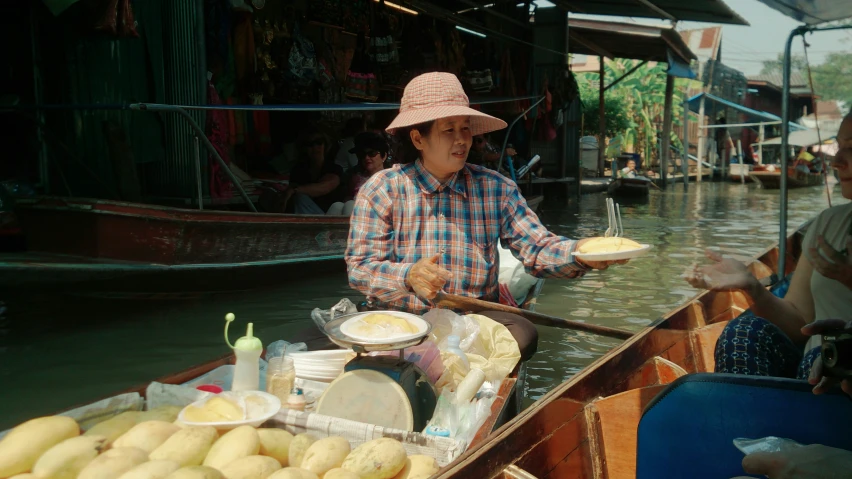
187,447
298,447
338,473
115,426
418,467
251,467
66,459
162,413
113,463
147,435
23,445
151,470
380,458
326,454
275,443
235,444
195,472
293,473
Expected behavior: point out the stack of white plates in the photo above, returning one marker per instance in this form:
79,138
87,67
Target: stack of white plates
323,366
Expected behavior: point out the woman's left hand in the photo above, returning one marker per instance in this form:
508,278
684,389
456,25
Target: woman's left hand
840,266
806,462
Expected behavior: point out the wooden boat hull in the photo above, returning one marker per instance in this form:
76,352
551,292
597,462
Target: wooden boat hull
629,187
85,245
740,173
771,180
586,427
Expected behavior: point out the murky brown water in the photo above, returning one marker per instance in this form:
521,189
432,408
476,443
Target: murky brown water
61,351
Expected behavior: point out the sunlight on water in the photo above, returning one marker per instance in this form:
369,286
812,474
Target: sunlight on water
56,352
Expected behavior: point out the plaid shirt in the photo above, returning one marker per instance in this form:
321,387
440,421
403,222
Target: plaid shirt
403,214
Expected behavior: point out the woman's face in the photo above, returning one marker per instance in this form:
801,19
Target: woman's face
315,148
844,135
444,151
373,161
842,162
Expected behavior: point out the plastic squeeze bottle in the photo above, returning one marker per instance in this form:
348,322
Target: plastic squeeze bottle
247,349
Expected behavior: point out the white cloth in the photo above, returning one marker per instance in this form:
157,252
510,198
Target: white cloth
513,275
345,159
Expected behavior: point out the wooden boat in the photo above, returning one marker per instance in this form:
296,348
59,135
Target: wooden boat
629,187
740,173
586,427
91,245
771,180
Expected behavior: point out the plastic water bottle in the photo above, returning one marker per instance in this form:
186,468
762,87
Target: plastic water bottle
453,346
247,350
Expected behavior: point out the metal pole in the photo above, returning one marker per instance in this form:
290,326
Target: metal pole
743,168
785,133
601,121
509,130
667,129
701,140
200,134
760,145
198,174
684,166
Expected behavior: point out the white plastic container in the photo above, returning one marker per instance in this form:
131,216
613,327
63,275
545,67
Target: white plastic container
247,350
469,386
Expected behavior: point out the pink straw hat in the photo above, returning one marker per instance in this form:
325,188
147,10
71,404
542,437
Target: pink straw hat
440,95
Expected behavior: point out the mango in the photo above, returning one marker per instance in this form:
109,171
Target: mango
418,467
380,458
237,443
251,467
66,459
275,443
113,463
147,435
325,455
23,445
162,413
195,472
115,426
151,470
338,473
187,447
293,473
298,447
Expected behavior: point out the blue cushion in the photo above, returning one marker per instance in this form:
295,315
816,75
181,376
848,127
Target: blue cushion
688,429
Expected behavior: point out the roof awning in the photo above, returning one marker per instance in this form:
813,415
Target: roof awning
710,11
813,12
751,115
802,138
628,40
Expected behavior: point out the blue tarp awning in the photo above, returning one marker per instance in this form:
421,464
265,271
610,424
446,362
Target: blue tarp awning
715,103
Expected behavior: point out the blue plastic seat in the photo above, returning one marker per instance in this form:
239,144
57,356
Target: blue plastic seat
687,430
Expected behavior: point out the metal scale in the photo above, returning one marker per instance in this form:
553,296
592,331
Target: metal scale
420,391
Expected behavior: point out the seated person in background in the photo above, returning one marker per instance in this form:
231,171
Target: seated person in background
629,171
484,153
315,180
768,340
345,158
371,149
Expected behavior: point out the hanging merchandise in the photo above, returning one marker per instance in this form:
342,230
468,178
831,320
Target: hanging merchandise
455,53
116,18
217,133
302,60
383,49
126,23
361,81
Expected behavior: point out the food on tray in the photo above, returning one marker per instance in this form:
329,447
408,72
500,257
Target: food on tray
217,409
24,444
608,245
187,447
234,444
382,325
251,467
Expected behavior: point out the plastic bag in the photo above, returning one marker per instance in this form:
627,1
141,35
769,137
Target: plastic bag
342,308
766,444
445,323
283,348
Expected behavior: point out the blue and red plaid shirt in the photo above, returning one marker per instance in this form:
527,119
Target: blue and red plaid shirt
403,214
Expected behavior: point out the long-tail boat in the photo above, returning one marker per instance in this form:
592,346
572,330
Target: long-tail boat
586,427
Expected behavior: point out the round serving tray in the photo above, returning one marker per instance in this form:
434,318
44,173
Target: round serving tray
332,330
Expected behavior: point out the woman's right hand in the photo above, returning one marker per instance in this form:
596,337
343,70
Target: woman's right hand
426,278
822,383
724,274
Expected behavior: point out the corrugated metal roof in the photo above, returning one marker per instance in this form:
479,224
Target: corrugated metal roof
775,78
626,40
813,11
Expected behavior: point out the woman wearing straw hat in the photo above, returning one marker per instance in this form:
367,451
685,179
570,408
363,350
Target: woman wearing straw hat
434,223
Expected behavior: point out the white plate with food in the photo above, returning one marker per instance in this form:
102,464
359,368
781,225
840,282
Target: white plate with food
384,326
231,409
611,249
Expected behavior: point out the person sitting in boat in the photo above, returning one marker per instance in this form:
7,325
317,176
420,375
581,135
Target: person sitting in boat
484,153
371,149
768,339
433,223
630,170
315,180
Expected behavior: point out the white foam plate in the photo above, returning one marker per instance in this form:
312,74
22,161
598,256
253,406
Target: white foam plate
348,328
615,255
270,407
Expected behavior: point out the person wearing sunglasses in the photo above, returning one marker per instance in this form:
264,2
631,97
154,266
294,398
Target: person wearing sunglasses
371,149
315,180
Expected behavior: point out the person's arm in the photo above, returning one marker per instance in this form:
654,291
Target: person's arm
793,311
369,252
326,184
542,252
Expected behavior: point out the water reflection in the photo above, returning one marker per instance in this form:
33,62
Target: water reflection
60,351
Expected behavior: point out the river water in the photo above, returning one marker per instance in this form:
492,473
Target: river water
59,351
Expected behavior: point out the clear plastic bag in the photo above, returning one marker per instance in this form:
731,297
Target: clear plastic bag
446,323
766,444
283,348
342,308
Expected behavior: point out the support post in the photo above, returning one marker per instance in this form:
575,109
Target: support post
199,191
684,166
760,145
601,121
702,141
667,130
743,169
785,132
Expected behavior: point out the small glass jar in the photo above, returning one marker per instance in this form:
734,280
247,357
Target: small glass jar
280,377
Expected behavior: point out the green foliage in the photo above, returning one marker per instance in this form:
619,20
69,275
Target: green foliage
831,79
617,118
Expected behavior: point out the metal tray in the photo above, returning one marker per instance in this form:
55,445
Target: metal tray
332,330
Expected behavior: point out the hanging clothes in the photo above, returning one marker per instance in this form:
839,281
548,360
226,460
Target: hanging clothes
217,133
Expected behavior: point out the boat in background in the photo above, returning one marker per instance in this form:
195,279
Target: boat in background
638,187
741,173
81,245
587,426
771,179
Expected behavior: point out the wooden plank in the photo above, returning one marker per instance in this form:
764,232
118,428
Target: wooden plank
619,417
656,371
576,466
696,316
507,387
704,346
547,454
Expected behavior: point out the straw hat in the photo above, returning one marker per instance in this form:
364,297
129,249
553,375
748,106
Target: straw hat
432,96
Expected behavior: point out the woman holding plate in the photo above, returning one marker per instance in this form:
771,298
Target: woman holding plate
433,223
